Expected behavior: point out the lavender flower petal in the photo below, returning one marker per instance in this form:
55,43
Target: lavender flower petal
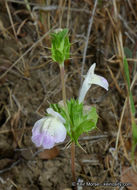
101,81
48,141
49,130
38,125
37,139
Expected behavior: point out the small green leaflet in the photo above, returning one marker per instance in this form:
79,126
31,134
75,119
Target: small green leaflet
60,46
77,121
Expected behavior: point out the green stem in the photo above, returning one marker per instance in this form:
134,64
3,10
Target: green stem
62,73
73,161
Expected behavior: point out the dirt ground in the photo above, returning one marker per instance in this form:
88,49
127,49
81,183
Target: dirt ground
30,81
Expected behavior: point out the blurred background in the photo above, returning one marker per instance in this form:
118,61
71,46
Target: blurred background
100,31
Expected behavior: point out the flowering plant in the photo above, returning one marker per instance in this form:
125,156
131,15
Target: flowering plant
70,118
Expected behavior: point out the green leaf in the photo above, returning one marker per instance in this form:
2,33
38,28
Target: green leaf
81,122
93,115
126,70
134,138
84,127
75,111
77,122
132,106
134,131
88,124
60,46
128,52
57,56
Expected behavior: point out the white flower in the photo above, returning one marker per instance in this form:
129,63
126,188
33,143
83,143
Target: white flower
90,79
49,130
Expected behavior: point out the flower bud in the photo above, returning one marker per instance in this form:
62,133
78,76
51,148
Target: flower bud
60,46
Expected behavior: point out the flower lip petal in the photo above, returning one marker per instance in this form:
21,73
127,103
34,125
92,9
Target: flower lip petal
38,125
48,141
99,80
90,79
104,83
55,114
